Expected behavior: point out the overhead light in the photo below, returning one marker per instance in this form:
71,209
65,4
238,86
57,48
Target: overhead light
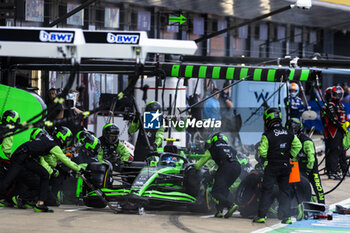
303,4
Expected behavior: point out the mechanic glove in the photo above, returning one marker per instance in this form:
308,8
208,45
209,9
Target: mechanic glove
332,109
136,117
155,146
64,171
310,166
82,166
265,164
55,173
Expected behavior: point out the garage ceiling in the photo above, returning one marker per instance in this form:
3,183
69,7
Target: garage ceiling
324,13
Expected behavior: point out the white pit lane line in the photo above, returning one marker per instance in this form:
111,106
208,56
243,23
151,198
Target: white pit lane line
90,208
78,209
213,215
280,225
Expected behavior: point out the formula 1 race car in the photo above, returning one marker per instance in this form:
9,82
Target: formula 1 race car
164,180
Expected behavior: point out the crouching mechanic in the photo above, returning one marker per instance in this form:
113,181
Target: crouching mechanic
228,171
277,146
155,136
113,149
308,163
30,152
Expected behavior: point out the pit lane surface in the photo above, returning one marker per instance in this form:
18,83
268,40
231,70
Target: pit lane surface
71,218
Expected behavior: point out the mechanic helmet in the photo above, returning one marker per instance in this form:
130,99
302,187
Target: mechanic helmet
110,133
63,136
294,89
38,133
294,125
271,116
169,161
337,93
10,117
81,135
328,94
215,138
153,106
91,145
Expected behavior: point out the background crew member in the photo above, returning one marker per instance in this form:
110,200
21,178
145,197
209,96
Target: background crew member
228,171
155,136
278,146
333,132
294,102
113,149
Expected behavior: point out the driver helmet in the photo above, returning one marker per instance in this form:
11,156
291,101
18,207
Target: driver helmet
169,161
294,89
110,133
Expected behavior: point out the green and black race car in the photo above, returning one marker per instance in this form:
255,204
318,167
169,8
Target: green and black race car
164,180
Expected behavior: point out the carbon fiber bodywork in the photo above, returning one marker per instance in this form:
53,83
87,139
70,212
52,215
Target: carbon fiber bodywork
156,185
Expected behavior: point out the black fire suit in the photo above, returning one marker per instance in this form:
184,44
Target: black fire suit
278,146
155,138
308,166
27,156
228,171
334,136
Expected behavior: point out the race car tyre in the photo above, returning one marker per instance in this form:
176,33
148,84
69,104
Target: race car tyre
94,202
204,203
197,184
248,194
192,181
101,174
4,166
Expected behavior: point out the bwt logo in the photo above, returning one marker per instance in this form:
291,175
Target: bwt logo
64,37
152,120
261,96
122,38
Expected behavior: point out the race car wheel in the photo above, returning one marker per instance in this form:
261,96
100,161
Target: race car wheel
101,174
204,203
94,202
248,193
